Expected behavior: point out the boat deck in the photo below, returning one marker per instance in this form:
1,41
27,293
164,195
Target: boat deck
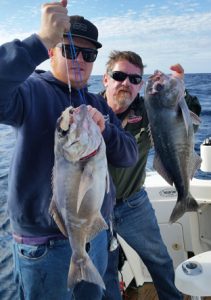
147,292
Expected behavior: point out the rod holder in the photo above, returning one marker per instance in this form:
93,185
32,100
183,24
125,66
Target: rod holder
205,151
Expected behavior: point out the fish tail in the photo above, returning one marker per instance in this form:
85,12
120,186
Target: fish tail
183,206
83,269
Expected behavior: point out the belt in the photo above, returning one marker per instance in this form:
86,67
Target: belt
119,199
122,199
38,240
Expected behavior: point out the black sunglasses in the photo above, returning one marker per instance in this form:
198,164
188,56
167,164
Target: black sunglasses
72,52
121,76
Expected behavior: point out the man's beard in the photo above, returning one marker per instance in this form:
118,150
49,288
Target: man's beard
123,98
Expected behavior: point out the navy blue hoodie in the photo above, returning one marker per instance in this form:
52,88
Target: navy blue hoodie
31,101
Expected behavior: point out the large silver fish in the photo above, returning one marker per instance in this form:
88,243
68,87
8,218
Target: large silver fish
80,180
171,125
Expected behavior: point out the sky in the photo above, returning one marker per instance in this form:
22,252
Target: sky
162,32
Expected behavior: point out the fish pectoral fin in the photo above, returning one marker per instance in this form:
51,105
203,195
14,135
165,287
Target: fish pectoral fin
158,166
195,119
57,218
107,182
98,225
86,182
195,164
185,112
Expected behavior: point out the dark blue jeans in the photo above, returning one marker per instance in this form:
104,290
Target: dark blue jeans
111,278
135,221
41,271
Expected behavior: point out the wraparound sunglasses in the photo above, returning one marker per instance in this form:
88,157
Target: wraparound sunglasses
121,76
89,55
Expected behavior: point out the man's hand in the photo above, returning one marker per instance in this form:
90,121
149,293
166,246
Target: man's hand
178,71
97,117
54,22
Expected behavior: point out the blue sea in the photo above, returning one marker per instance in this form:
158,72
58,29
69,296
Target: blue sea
197,84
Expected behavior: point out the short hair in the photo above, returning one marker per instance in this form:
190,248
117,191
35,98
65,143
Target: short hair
132,57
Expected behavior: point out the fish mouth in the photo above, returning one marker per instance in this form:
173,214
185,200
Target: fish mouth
64,122
156,88
61,132
156,82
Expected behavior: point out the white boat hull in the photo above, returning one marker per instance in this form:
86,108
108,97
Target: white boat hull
190,235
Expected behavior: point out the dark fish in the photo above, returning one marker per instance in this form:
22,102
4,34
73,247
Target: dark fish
171,125
80,180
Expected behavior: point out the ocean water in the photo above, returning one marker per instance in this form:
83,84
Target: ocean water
197,84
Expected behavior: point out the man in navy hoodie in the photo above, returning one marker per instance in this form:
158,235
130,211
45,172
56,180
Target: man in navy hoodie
31,101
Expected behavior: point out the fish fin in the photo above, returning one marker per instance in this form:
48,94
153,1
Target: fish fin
57,218
83,269
98,225
107,182
195,164
182,206
86,182
195,119
185,112
158,166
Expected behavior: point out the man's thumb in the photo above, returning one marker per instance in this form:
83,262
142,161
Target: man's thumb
64,3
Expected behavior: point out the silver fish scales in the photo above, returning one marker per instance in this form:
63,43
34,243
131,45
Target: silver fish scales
80,180
171,126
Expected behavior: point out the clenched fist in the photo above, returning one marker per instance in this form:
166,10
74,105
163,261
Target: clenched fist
54,22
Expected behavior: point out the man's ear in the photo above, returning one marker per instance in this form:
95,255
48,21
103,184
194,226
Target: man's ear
50,52
105,80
